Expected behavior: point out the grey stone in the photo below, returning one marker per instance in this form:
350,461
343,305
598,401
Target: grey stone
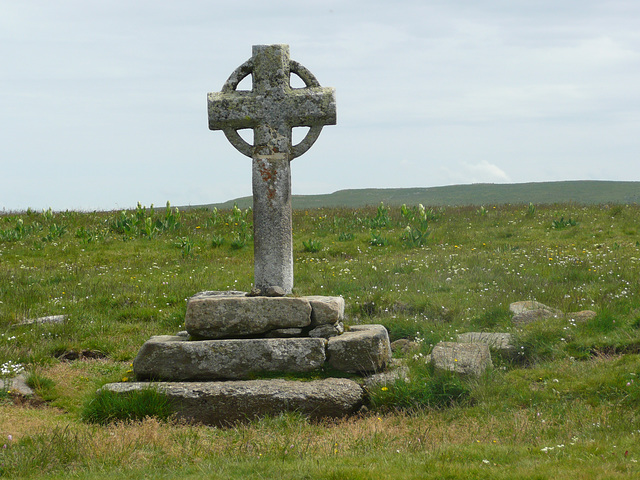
223,316
396,372
326,310
226,403
365,348
463,358
530,305
274,291
174,358
51,319
272,108
17,384
530,316
327,331
502,342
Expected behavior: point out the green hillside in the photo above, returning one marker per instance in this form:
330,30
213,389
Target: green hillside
580,192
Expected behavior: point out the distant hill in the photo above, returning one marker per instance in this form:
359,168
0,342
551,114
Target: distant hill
579,191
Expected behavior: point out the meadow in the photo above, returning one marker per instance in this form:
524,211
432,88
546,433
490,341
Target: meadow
567,407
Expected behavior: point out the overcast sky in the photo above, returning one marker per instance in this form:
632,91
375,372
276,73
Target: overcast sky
103,103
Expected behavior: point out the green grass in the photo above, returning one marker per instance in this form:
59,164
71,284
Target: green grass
123,277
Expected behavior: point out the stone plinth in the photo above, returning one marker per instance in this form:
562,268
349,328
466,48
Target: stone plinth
213,315
175,358
226,403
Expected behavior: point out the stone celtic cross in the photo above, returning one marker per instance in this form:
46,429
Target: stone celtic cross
272,108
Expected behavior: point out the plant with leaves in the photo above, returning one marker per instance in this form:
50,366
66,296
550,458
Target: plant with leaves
416,233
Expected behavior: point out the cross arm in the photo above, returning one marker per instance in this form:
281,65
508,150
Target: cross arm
234,110
307,107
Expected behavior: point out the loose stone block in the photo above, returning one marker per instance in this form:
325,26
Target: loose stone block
226,403
502,342
529,305
463,358
174,358
227,316
327,331
365,348
326,310
531,316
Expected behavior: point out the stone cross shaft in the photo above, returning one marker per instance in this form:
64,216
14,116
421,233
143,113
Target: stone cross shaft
272,108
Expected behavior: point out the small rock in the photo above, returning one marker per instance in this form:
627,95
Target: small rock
530,316
274,291
42,320
16,385
255,292
502,342
384,378
462,358
528,305
327,331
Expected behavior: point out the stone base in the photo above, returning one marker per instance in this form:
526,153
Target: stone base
226,403
176,359
217,315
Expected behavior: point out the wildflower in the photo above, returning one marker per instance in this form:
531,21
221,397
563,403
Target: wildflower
384,389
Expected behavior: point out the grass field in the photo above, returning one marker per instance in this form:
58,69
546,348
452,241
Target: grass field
567,408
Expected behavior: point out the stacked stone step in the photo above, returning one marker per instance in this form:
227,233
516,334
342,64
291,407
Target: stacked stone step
232,336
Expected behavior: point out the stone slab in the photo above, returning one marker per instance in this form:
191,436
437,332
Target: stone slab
462,358
214,316
363,349
226,403
174,358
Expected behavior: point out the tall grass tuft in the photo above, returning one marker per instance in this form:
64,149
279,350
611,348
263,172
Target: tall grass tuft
107,407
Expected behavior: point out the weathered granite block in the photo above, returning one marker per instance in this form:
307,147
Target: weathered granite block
365,348
529,305
174,358
502,342
225,403
325,310
214,316
463,358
